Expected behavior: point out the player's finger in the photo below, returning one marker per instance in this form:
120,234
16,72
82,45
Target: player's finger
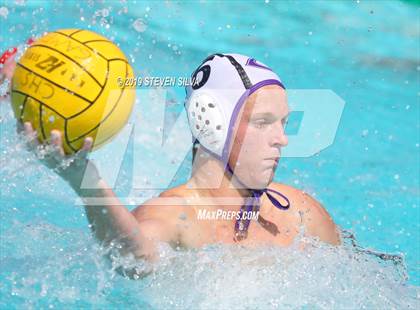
87,144
30,133
27,127
57,142
86,148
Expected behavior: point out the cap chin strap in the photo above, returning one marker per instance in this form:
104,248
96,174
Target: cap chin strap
254,204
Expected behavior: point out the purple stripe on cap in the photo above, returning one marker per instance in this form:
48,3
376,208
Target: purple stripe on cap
238,106
252,62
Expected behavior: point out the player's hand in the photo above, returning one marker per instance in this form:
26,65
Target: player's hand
70,167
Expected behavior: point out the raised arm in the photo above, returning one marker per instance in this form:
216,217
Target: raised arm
109,219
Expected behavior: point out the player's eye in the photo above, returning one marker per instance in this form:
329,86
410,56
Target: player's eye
260,123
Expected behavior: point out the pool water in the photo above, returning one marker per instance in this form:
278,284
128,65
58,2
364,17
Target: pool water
368,179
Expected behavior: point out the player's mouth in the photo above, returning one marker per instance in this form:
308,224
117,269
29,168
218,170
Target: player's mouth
273,161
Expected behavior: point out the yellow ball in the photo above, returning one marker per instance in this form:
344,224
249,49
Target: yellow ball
69,80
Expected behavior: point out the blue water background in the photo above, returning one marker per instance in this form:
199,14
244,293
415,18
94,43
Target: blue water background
367,52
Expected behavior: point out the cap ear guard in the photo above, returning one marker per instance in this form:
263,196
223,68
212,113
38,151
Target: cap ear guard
207,121
206,112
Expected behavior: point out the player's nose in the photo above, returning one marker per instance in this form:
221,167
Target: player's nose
278,136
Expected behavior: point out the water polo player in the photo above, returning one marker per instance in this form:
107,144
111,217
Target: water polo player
237,110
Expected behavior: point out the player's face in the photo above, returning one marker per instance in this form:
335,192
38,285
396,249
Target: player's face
259,137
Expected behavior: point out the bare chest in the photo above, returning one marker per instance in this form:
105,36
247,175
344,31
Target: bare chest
274,227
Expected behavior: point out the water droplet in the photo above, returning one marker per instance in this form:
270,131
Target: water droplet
105,12
4,12
139,25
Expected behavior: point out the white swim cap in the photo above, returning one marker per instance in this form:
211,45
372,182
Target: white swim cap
220,86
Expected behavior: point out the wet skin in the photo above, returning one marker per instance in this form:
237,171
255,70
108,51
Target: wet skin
172,217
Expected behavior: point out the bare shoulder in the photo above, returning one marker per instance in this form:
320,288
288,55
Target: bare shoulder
315,217
299,200
164,217
170,205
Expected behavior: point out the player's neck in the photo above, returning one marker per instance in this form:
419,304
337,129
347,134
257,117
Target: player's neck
211,179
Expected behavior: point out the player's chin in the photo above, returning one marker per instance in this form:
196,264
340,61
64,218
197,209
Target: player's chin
265,177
